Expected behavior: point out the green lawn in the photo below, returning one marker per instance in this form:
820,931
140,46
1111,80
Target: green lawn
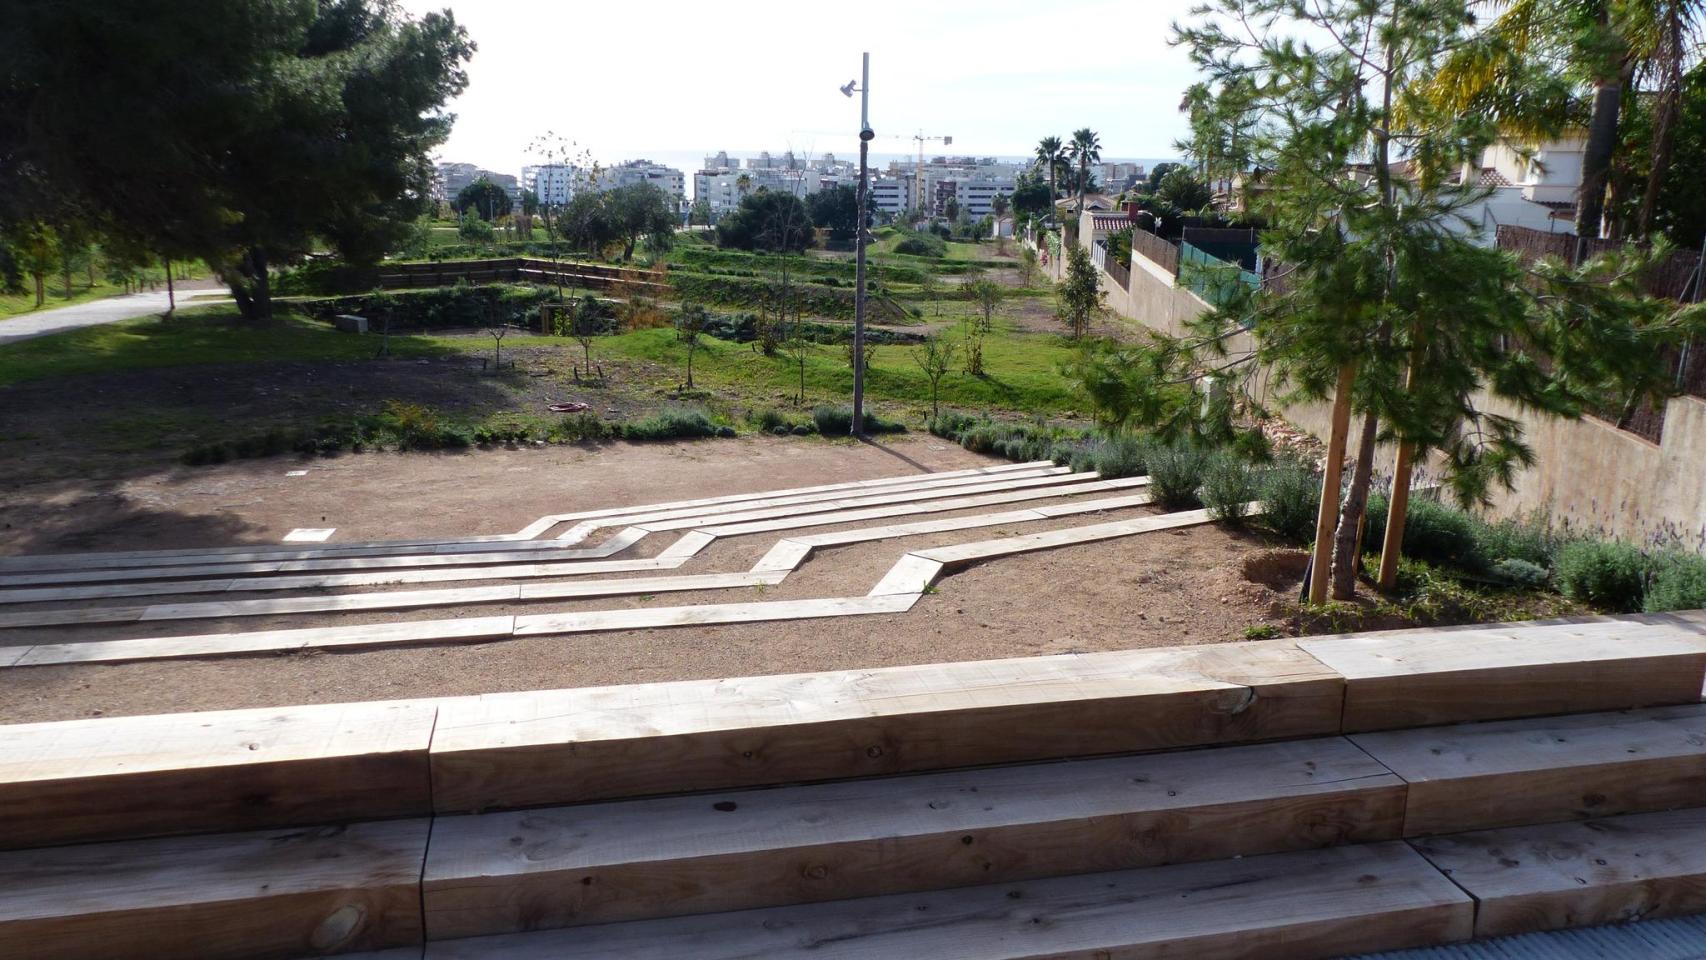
16,304
200,335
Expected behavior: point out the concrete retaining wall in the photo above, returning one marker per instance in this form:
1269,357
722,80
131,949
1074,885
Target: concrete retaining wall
1587,474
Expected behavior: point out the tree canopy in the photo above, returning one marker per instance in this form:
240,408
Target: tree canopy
244,133
486,199
767,220
836,210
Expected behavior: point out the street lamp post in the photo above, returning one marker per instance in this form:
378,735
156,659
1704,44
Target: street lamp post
865,134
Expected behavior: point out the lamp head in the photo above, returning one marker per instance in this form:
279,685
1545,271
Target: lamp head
848,88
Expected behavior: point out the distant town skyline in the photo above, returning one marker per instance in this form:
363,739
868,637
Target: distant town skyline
685,77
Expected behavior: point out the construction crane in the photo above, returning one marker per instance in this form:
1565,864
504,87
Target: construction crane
918,171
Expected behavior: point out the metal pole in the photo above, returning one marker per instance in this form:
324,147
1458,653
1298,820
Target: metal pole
858,427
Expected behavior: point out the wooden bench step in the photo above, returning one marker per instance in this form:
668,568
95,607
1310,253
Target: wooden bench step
1478,776
561,746
239,896
1580,873
641,859
1415,678
1299,906
126,777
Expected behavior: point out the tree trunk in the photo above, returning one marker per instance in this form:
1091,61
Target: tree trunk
1665,116
1392,545
171,294
1596,156
41,288
262,291
1345,559
1330,476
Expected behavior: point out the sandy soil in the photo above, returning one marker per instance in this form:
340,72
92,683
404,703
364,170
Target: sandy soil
1173,587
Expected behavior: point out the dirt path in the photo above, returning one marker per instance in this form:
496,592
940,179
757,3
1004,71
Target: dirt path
1173,587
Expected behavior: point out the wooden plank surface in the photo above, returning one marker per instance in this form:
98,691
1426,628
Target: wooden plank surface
1496,672
965,553
898,501
1355,899
788,504
466,629
910,574
1579,873
795,522
1478,776
542,747
650,618
369,578
106,778
233,896
599,863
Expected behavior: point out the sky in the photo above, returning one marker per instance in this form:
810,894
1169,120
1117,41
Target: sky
670,78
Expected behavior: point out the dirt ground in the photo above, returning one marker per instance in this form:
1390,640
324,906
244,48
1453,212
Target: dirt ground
1169,587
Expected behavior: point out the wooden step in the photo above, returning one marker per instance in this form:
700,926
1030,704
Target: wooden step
1415,678
561,746
1478,776
1580,873
1295,906
127,777
639,859
239,896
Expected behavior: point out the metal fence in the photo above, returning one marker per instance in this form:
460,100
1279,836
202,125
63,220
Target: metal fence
1212,278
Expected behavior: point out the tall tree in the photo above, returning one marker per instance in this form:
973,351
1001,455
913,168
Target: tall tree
1544,66
836,209
1051,156
1392,311
1085,149
639,210
486,199
242,133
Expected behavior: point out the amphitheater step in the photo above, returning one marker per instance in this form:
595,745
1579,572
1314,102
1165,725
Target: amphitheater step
1413,678
550,747
628,860
1478,776
240,896
1580,873
127,777
1297,905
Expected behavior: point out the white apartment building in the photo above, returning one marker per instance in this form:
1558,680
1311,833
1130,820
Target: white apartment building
976,195
891,195
723,189
668,179
555,184
449,179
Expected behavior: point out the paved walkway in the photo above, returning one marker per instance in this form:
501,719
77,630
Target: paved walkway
110,310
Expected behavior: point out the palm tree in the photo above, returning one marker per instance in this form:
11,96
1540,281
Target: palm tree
1611,43
1086,148
743,183
1050,155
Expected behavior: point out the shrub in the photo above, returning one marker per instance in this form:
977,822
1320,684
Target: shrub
670,425
1530,539
1433,532
1520,573
1228,486
1604,573
1113,457
834,420
1176,474
1679,583
1291,501
922,245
